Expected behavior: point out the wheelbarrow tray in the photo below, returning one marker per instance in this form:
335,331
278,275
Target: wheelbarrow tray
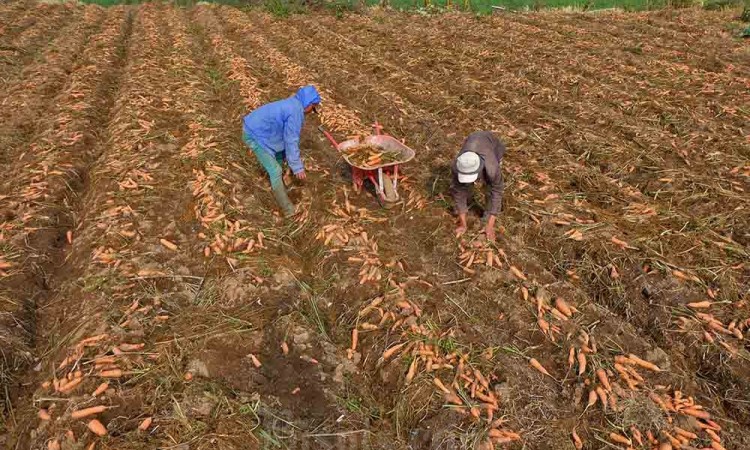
387,143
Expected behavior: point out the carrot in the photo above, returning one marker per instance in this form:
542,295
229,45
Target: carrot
100,390
131,347
700,305
69,236
115,373
620,439
517,273
145,424
256,361
571,357
563,307
284,348
717,446
440,385
391,351
412,370
453,398
601,374
602,396
712,434
92,446
97,428
535,364
665,446
577,440
700,414
642,363
168,244
296,391
636,435
53,445
620,243
685,433
68,387
355,339
524,293
44,414
81,413
581,363
592,398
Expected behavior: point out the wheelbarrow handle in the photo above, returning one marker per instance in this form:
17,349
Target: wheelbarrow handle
329,136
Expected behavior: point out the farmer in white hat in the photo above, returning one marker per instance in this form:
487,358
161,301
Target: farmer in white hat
480,156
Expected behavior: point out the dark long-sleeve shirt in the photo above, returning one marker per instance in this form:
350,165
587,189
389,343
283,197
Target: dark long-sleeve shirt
490,150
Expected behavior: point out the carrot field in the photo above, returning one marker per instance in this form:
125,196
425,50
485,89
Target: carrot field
151,296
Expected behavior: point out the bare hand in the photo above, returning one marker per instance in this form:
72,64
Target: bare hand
301,176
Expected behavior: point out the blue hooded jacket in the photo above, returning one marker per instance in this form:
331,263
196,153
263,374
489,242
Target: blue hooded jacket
277,126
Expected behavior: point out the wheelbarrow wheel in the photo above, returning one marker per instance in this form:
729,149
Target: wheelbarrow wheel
388,191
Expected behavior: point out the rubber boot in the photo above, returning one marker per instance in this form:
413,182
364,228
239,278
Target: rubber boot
287,208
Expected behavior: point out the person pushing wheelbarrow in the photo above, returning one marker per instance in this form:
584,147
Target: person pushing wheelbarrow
272,132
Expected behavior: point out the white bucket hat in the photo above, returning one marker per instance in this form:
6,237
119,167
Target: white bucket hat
468,165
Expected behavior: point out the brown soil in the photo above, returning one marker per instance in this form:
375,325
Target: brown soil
137,229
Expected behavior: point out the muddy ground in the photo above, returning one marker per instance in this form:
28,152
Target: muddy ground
143,260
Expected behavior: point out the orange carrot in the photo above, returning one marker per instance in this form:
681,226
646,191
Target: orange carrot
53,445
453,398
712,434
571,357
535,364
717,446
620,439
412,370
602,397
145,424
642,363
81,413
592,398
69,236
355,339
581,363
665,446
440,385
563,307
97,428
284,348
517,273
131,347
601,374
700,414
700,305
68,387
577,440
115,373
255,361
685,433
168,244
44,415
92,446
391,351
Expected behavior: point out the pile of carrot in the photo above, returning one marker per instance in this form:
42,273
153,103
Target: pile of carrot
479,253
369,156
347,235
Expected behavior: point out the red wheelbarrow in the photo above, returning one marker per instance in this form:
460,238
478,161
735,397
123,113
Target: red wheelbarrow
383,176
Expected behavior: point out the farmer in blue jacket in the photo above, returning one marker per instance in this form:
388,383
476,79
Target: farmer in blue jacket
272,132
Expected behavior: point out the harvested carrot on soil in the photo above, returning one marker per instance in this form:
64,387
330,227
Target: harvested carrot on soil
146,424
97,428
535,364
170,245
81,413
